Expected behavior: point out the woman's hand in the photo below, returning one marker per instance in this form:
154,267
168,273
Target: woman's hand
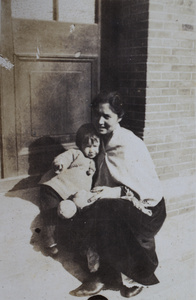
101,192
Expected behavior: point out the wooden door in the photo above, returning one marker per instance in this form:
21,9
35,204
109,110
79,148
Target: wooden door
55,77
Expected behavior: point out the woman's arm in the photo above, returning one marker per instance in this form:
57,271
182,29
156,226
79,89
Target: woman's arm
105,192
116,192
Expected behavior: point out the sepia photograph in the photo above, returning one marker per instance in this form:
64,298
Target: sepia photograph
97,149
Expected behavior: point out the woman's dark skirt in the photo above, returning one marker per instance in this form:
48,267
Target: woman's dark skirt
122,235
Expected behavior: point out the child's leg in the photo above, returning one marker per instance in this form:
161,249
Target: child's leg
48,207
49,198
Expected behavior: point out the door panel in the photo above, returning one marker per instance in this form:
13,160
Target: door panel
52,99
56,38
56,96
56,75
52,102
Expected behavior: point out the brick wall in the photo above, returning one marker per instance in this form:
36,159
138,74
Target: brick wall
124,39
154,66
132,58
170,97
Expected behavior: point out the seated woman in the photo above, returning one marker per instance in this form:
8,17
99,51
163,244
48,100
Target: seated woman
128,208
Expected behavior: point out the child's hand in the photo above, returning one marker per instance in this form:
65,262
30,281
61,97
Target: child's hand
90,172
57,166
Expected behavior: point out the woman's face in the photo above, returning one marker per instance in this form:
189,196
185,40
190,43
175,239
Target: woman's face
105,120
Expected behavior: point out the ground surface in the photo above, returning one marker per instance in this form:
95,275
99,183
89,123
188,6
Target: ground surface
26,273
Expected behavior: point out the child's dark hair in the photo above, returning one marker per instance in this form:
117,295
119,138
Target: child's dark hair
113,98
86,134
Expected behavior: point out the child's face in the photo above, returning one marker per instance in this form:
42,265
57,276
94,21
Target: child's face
91,150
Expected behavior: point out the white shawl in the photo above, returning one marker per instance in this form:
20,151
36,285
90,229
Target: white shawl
125,160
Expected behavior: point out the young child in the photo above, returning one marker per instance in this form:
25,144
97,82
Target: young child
70,180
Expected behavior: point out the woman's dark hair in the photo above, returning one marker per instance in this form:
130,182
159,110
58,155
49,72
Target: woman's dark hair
86,134
113,98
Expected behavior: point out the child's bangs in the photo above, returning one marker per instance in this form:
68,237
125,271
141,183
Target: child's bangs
90,140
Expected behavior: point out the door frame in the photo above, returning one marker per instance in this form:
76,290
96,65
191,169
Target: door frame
8,142
8,116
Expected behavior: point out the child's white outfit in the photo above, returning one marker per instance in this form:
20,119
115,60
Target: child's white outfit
76,174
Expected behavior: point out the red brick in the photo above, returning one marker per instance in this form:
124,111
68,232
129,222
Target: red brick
157,115
187,44
185,76
168,107
168,146
169,92
172,213
171,59
183,68
181,84
184,92
160,51
187,209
